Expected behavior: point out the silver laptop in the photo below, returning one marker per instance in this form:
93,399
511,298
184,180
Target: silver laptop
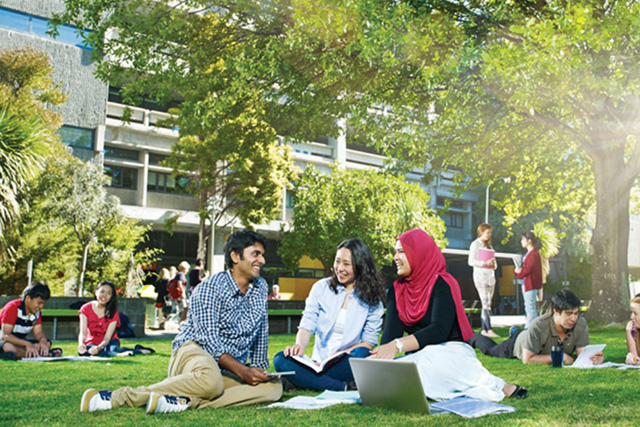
390,384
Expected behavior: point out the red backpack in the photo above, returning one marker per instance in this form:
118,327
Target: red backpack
174,288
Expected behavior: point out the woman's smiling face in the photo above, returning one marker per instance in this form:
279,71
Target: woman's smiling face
400,259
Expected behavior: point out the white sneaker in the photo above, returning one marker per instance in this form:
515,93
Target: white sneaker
162,404
95,400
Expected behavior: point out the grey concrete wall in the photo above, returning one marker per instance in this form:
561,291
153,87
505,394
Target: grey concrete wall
87,96
172,201
127,197
43,8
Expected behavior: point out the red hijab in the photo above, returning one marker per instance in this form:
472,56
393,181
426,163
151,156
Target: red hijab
413,292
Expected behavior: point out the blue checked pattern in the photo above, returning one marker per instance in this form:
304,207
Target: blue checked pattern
224,320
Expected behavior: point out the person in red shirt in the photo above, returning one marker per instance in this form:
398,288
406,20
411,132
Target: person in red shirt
98,322
21,317
531,272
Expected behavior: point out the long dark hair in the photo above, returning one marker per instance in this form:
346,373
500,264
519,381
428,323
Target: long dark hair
368,282
112,306
535,241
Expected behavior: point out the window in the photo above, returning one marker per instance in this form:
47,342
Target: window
26,23
80,140
454,220
157,159
122,177
120,154
145,102
165,183
456,204
76,137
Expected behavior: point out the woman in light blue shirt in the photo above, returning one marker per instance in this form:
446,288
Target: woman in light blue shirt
345,313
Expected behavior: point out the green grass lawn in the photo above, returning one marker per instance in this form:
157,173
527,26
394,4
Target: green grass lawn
49,394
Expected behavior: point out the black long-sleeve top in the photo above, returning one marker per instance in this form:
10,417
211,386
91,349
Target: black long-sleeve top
438,325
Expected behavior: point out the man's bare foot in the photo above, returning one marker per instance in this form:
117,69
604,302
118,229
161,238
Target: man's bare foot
490,334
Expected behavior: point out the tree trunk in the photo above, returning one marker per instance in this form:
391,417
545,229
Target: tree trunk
83,267
610,239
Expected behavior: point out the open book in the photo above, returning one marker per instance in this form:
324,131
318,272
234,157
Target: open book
319,367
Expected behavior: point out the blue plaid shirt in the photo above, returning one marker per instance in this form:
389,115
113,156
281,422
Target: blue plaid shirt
224,320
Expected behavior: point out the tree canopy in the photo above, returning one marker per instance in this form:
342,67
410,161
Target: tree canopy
371,205
543,92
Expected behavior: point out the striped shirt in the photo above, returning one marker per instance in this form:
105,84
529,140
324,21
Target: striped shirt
222,320
14,313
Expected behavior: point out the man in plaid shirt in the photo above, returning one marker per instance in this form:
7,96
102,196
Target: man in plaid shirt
227,327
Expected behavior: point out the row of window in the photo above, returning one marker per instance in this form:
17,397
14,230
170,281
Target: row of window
127,178
113,153
31,24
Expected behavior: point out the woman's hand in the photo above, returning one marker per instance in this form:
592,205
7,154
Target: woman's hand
94,350
387,351
82,349
632,359
517,270
294,350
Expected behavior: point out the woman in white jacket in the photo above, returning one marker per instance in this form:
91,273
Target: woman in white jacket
484,277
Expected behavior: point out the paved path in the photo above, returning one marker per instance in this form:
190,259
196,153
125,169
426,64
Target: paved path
507,321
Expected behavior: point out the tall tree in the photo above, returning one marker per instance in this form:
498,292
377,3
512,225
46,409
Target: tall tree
170,51
79,199
371,205
27,128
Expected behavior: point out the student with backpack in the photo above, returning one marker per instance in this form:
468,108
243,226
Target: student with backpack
178,293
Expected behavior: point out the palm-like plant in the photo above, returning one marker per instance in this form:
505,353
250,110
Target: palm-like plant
22,147
549,238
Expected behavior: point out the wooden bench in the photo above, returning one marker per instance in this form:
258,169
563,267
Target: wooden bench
285,312
57,313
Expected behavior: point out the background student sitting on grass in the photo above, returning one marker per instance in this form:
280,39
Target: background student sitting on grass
21,316
563,325
98,322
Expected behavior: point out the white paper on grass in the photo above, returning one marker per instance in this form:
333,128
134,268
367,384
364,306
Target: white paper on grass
305,402
61,358
468,407
583,361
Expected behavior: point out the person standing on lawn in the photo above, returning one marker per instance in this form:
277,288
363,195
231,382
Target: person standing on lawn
562,326
531,273
19,318
484,275
227,325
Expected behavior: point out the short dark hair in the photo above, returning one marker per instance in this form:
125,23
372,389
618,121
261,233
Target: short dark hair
564,299
238,241
37,289
199,262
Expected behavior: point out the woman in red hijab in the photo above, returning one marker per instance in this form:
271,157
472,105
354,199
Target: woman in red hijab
425,302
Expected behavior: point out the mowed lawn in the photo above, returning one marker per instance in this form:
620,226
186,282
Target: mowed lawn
39,394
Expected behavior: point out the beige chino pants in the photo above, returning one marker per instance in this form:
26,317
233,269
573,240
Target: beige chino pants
195,374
